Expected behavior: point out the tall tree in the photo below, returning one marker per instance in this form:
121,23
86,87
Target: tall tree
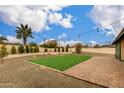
2,39
23,32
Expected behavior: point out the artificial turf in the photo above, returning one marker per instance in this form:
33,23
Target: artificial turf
62,62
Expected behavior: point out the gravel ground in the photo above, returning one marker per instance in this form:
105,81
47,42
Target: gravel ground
16,72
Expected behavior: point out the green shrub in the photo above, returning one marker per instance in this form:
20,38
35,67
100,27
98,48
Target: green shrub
31,49
27,49
55,50
66,49
58,49
13,50
3,53
78,48
36,49
21,49
46,50
63,49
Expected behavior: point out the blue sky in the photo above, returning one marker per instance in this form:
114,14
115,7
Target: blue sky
81,22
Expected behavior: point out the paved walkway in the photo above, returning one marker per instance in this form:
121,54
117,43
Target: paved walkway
16,72
106,71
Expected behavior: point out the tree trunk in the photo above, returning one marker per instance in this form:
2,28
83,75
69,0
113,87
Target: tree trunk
25,41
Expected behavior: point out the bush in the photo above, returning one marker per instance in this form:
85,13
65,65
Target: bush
78,48
55,50
27,49
3,51
36,49
13,50
21,49
58,49
63,49
46,50
66,49
31,49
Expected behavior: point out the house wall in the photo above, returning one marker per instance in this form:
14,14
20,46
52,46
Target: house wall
122,49
117,50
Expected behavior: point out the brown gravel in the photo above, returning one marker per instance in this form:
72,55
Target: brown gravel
103,70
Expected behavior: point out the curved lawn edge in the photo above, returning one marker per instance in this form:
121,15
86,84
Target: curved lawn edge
62,62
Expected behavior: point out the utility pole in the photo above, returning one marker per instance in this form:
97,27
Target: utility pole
59,47
44,46
70,47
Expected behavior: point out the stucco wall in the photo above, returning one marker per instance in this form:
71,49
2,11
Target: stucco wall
122,49
99,50
9,48
40,49
94,50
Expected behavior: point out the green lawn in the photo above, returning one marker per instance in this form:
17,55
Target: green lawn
61,62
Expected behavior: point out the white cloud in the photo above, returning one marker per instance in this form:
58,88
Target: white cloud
111,33
55,18
66,22
55,8
104,15
34,16
93,43
58,19
62,36
12,39
49,7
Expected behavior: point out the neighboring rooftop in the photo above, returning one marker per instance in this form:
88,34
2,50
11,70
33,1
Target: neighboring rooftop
119,36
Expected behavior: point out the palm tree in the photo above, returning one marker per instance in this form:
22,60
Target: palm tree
2,39
23,32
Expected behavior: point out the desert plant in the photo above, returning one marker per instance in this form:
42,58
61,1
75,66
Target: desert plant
46,50
67,48
21,49
3,53
23,32
63,49
27,49
55,50
31,49
36,49
78,48
58,49
13,50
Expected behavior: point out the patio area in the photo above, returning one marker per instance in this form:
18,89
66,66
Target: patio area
103,70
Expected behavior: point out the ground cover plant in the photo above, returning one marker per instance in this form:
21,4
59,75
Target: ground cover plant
61,62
